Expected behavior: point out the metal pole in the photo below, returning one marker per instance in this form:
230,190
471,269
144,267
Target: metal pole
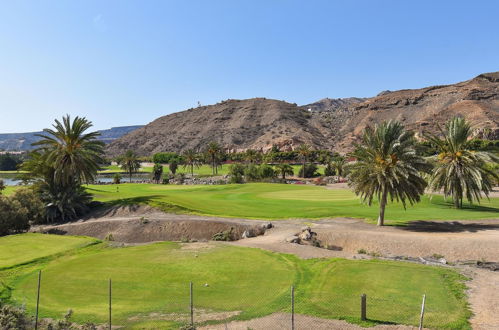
422,313
110,303
191,304
363,307
38,299
292,307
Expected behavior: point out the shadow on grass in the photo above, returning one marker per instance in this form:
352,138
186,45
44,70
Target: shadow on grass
449,226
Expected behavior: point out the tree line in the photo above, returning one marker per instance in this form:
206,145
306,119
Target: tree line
386,167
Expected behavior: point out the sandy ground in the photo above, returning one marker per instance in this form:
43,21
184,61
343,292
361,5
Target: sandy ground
455,240
280,321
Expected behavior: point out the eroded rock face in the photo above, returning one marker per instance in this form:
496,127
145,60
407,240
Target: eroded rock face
260,123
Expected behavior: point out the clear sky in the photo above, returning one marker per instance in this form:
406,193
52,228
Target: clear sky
129,62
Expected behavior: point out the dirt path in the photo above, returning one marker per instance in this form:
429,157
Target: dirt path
281,321
455,240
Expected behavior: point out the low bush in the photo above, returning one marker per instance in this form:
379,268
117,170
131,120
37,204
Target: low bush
19,210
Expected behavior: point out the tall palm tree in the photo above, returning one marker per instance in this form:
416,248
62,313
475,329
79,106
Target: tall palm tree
304,151
214,151
460,172
191,160
387,165
130,163
74,154
284,169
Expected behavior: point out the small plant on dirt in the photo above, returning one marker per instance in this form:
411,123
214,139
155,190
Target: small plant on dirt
374,254
187,327
437,256
224,235
362,251
144,220
184,240
109,237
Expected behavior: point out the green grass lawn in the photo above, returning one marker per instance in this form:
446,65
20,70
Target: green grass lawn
151,286
24,248
203,170
279,201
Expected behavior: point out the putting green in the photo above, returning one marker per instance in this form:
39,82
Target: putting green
280,201
151,286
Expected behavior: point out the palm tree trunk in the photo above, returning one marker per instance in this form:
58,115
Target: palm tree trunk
130,176
382,206
303,168
457,204
192,170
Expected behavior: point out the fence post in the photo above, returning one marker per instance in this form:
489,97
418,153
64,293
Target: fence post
110,303
191,304
422,313
292,307
363,307
38,298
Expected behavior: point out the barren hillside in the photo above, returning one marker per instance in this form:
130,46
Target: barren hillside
330,123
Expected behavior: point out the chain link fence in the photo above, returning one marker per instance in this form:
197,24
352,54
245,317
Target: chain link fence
200,306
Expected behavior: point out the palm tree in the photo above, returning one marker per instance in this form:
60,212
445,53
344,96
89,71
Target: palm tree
213,150
284,169
191,160
459,171
338,164
252,156
74,154
130,163
304,151
387,165
157,172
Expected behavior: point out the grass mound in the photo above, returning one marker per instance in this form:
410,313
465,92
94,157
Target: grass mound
26,248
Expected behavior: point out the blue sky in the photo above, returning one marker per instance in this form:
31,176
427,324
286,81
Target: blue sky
129,62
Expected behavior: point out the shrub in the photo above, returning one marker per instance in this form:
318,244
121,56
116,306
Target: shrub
173,165
117,178
266,172
329,170
2,186
236,172
18,210
362,251
251,173
226,235
310,171
14,318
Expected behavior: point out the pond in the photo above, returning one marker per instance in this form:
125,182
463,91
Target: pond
12,179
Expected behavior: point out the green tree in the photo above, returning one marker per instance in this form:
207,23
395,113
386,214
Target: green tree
236,172
73,154
191,160
284,169
130,163
66,156
2,186
387,166
338,165
117,179
157,172
214,152
173,165
304,151
460,172
252,156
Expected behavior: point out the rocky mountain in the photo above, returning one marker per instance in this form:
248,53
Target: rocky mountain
330,123
328,104
23,141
